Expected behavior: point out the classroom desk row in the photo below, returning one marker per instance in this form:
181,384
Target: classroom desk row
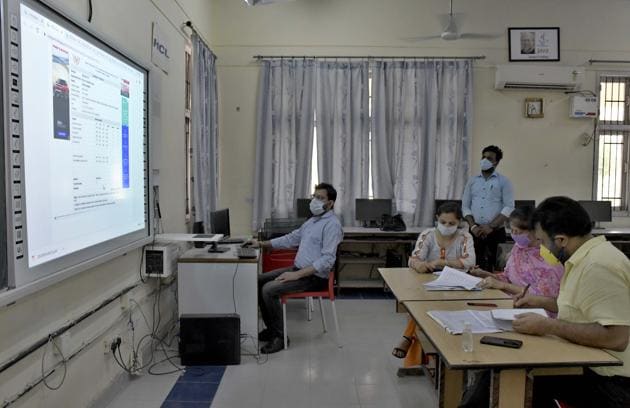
510,367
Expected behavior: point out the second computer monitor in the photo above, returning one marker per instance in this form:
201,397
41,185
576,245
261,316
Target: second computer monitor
525,203
303,207
371,211
599,211
220,222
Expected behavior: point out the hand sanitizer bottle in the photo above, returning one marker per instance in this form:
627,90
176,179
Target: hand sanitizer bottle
467,338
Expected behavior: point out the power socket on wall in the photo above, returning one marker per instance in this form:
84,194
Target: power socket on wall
109,342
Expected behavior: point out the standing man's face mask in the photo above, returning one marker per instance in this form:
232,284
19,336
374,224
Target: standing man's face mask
317,206
486,164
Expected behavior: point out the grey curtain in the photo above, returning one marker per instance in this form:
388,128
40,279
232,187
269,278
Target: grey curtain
421,129
204,112
343,125
284,137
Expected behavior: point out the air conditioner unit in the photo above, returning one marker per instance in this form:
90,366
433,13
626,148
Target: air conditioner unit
553,77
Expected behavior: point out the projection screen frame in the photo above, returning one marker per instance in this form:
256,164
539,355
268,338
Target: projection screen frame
92,256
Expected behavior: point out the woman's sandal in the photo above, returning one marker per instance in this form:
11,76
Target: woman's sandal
400,351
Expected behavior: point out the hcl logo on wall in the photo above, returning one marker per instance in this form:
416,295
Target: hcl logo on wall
159,49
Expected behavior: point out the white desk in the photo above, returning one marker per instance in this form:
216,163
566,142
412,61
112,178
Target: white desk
219,283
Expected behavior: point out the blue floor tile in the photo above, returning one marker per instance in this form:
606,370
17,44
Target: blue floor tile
180,404
192,392
205,374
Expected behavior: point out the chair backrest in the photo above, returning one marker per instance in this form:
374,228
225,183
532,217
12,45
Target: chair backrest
278,258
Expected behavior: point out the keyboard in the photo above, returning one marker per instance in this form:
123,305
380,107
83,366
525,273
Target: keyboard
231,241
250,253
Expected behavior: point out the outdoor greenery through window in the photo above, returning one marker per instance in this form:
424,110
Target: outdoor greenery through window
613,129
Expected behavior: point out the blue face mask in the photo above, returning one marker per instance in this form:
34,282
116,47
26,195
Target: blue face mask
486,164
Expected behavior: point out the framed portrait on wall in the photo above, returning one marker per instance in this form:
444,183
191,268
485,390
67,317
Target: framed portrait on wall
534,108
534,44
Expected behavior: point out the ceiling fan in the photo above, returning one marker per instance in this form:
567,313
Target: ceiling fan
451,31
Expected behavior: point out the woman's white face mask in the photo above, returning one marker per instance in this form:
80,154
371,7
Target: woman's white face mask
446,230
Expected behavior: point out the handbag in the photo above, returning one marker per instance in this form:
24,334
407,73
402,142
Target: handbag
392,223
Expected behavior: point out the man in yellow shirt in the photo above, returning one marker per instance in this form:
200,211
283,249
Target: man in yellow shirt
593,305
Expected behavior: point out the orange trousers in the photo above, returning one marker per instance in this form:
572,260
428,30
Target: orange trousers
414,354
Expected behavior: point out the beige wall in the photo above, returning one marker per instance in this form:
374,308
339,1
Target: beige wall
543,156
128,24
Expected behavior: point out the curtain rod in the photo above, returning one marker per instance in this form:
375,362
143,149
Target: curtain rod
190,25
592,61
259,57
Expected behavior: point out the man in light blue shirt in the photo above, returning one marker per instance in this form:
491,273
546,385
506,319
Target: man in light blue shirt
317,240
487,203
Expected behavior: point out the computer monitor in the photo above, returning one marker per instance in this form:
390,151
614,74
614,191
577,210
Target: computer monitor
439,202
371,211
598,210
303,207
220,222
525,203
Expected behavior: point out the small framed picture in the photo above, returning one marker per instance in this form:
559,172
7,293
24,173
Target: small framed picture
534,108
534,44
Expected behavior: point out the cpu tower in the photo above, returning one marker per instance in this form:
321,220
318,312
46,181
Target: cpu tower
210,339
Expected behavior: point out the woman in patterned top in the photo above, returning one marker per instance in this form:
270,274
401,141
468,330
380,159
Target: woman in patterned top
444,245
524,266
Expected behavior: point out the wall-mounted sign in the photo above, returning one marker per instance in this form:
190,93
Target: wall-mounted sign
160,52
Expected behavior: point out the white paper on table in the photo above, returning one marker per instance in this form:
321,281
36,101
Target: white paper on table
453,321
452,278
503,318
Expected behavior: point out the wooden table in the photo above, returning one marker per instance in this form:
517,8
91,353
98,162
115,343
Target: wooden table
510,366
406,284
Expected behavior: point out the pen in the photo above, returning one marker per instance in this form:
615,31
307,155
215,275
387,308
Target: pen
523,293
481,304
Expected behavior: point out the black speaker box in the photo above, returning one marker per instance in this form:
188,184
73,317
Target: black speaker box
209,339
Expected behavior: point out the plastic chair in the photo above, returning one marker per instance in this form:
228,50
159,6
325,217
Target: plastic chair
326,293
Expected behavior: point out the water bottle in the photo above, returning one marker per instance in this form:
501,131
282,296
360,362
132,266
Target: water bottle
467,338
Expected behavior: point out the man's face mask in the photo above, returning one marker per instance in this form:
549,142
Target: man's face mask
486,164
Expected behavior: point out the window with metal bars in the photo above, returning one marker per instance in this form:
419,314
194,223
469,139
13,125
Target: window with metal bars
613,129
187,134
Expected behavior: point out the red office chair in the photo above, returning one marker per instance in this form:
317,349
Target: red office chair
277,258
326,293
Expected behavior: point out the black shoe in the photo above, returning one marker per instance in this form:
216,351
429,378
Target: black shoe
276,344
265,335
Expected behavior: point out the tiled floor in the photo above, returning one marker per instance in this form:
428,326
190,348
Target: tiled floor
314,372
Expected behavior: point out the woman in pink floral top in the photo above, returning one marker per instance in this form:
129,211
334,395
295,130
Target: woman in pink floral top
525,266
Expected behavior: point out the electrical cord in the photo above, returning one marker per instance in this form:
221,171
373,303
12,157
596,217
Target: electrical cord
234,287
65,367
260,358
90,9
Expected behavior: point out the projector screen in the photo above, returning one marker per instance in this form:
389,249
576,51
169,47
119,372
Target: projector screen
81,140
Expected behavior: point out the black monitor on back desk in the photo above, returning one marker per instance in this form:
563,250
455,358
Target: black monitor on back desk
525,203
303,207
371,211
598,211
